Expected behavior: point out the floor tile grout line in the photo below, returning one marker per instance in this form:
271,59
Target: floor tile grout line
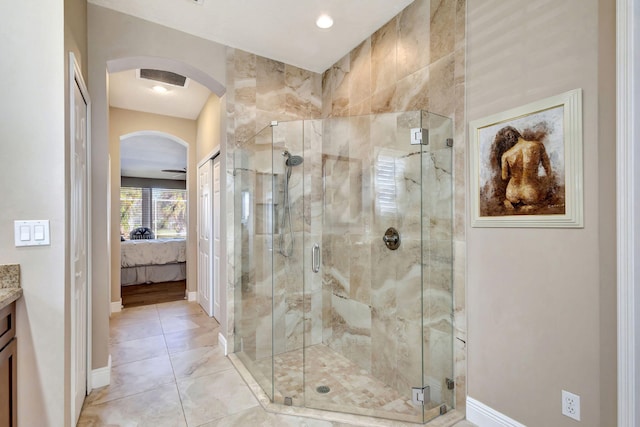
87,405
175,378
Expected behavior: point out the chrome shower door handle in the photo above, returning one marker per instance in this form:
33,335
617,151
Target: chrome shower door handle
315,258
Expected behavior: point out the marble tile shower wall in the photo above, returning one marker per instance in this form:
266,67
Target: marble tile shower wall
415,61
259,91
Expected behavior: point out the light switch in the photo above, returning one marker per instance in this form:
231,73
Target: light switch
32,233
38,232
25,233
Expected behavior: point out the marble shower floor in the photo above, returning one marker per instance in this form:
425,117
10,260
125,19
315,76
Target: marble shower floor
168,370
350,386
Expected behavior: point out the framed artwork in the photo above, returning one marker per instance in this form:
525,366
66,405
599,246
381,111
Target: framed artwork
526,165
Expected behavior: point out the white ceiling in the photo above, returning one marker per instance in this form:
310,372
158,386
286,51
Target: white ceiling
130,92
283,30
146,154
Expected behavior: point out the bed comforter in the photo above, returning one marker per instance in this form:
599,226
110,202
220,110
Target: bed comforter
152,252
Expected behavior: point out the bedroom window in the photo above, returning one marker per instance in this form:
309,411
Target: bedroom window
162,210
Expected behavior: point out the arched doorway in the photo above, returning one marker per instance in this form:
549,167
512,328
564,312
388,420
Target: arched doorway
153,197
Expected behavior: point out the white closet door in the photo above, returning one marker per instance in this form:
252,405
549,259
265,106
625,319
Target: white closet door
79,239
205,211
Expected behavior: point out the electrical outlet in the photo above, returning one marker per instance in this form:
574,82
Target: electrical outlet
571,405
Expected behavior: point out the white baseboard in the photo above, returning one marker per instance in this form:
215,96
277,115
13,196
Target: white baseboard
484,416
102,376
116,306
222,341
192,296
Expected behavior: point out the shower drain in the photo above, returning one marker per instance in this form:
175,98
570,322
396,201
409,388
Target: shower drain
323,389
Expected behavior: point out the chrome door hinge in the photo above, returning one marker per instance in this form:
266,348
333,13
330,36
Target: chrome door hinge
419,136
420,395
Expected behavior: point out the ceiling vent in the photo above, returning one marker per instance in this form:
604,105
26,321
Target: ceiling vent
162,76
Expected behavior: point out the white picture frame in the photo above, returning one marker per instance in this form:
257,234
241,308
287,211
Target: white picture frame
536,181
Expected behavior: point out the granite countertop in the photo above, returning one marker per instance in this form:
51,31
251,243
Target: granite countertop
9,295
10,289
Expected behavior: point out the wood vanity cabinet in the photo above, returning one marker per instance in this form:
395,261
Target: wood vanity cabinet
8,367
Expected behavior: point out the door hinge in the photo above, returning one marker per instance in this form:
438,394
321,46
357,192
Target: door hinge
419,136
451,384
420,395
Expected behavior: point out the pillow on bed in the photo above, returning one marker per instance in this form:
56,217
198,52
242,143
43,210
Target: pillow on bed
141,233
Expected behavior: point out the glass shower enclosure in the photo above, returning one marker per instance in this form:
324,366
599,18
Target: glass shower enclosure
343,255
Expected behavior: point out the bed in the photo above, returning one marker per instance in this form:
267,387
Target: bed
152,261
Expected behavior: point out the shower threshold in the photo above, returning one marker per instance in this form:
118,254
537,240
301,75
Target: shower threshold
367,408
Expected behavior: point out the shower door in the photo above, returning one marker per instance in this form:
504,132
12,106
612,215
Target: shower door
343,292
379,320
253,179
269,232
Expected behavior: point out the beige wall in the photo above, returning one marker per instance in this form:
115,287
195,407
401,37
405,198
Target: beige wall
541,309
209,129
211,134
117,37
123,122
33,186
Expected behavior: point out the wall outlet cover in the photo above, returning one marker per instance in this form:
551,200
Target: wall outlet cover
571,405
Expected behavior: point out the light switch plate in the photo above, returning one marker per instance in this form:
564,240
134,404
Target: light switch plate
32,233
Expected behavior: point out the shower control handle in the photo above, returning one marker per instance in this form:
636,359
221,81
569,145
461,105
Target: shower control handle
391,238
315,258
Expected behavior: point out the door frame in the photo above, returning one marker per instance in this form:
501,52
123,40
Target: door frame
216,213
209,157
76,79
628,190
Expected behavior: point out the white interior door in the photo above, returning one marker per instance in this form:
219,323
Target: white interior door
216,279
79,240
205,278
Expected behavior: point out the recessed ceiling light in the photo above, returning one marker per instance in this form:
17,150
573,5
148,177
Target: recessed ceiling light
324,21
159,89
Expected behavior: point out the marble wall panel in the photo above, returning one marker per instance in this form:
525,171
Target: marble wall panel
327,93
360,75
443,16
412,92
383,56
384,100
270,85
414,36
409,354
303,92
351,330
327,325
360,268
245,95
441,89
340,83
384,345
409,284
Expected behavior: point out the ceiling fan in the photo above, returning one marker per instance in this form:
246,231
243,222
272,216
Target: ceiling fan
183,170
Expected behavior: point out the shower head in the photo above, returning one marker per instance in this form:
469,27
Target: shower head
292,160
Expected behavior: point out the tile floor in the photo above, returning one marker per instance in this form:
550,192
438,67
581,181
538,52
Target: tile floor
168,370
